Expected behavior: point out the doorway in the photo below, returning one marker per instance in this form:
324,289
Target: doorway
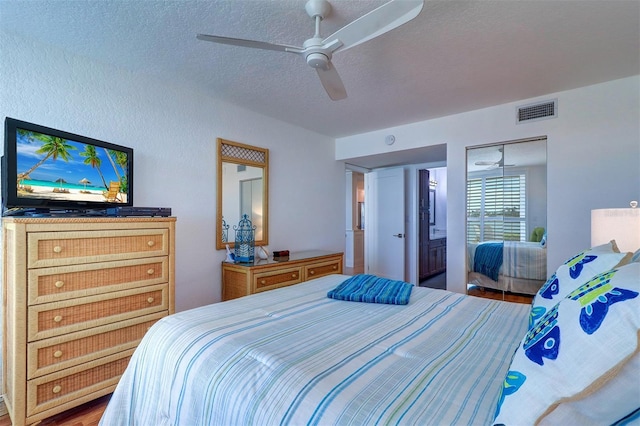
432,229
411,160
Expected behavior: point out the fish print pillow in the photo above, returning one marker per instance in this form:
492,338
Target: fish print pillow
572,274
583,349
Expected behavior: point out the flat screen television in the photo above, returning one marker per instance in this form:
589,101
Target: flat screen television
49,170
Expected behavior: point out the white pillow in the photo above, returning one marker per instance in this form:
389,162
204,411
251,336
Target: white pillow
584,349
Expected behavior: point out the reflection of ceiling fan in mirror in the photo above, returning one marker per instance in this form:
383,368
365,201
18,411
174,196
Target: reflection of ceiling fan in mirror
495,164
318,50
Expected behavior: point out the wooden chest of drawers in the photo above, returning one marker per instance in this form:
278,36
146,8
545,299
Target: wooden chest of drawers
79,295
240,279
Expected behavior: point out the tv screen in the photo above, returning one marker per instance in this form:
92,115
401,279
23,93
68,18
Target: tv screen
49,169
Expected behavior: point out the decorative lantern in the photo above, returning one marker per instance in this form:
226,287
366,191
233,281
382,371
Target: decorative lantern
245,240
225,231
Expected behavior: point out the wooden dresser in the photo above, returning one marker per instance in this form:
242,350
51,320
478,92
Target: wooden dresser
242,279
79,294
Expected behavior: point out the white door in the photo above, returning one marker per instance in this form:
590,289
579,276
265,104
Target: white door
384,223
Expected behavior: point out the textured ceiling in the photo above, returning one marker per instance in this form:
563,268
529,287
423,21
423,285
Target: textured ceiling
455,56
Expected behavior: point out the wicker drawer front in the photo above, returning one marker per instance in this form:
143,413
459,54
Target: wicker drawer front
65,282
57,353
71,248
55,389
320,269
57,318
263,281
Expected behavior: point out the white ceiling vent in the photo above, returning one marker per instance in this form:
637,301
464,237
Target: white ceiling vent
537,111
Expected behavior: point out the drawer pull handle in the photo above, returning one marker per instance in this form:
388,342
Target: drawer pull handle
293,276
59,284
151,243
56,389
335,267
57,318
312,272
57,354
150,271
150,300
263,282
57,249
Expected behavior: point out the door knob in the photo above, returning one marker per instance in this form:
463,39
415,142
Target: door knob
399,235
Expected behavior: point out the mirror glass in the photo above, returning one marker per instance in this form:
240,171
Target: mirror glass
243,175
506,216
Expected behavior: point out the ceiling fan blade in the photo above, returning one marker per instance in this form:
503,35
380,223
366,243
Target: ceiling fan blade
486,163
332,82
249,43
385,18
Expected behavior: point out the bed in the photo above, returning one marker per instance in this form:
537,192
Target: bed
294,356
521,267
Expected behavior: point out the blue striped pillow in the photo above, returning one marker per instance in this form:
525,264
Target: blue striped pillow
372,289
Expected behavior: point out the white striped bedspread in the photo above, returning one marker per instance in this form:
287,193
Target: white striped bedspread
292,356
521,259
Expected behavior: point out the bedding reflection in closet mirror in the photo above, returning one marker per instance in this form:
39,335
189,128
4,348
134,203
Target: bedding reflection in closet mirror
243,176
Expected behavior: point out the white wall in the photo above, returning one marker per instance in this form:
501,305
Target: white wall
173,131
593,160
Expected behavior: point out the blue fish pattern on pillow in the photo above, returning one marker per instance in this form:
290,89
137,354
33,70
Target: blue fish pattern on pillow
595,297
535,314
543,340
550,288
576,262
512,382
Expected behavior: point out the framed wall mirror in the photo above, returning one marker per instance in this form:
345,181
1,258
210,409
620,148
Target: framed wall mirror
243,188
507,216
432,206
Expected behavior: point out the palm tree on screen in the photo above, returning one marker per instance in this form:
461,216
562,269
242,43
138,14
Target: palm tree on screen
52,147
120,160
91,158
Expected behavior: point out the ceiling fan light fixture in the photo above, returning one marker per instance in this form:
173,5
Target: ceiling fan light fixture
318,60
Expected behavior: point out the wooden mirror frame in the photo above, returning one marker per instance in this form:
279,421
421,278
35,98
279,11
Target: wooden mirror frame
242,154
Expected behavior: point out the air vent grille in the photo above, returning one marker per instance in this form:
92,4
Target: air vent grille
537,111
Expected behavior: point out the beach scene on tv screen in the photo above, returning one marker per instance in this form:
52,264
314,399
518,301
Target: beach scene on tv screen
60,169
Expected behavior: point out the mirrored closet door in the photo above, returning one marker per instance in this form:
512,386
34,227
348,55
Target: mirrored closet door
506,216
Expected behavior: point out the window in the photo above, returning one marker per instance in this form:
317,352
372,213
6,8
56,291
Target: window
496,208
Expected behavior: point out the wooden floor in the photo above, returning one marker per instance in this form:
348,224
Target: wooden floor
498,295
89,414
85,415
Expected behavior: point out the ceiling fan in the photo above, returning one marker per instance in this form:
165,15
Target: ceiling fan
495,164
318,51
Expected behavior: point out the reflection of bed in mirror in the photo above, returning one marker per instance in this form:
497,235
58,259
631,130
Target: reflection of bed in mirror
522,269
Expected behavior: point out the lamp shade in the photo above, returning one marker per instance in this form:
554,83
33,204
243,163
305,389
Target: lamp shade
621,225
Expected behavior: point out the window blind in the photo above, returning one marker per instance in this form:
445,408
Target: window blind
496,208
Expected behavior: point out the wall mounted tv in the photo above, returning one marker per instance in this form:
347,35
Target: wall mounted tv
46,170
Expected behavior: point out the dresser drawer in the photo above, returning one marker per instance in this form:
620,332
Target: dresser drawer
47,249
269,280
66,282
320,269
57,318
57,389
57,353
